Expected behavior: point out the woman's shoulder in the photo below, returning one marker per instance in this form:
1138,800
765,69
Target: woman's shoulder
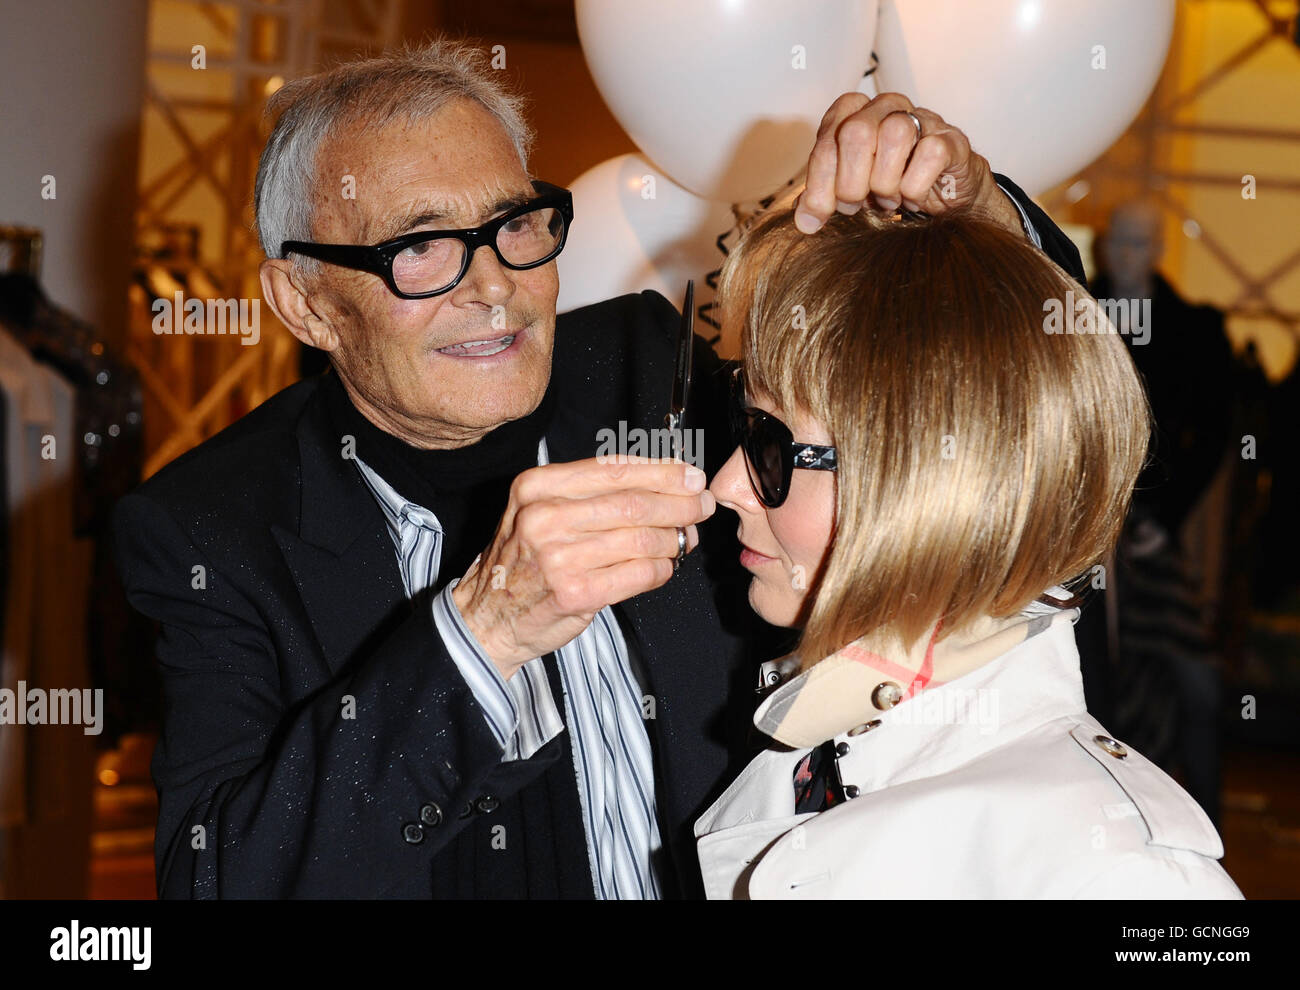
1062,811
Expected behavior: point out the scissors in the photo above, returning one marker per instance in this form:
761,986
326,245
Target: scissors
676,416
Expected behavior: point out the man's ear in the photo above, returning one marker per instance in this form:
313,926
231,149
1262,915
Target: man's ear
293,306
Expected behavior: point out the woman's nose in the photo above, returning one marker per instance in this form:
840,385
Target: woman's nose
731,487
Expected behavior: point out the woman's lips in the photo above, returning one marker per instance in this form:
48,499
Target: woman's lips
750,558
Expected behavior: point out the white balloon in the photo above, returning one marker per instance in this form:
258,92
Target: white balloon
1041,87
633,229
725,95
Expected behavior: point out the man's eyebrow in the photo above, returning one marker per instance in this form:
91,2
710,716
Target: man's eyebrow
422,214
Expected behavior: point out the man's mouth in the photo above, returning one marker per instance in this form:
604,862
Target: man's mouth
480,348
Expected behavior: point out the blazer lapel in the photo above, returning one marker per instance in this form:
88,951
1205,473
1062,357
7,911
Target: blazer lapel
341,556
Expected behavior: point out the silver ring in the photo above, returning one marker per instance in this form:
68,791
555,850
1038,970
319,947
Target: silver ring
681,548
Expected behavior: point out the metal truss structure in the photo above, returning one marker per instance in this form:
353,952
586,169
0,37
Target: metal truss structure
1148,160
1158,159
212,65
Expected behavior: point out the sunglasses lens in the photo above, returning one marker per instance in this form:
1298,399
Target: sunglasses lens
763,440
765,455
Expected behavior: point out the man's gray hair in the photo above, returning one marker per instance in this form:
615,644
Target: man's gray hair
408,85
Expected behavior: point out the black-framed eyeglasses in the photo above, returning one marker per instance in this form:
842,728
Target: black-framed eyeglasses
770,449
431,262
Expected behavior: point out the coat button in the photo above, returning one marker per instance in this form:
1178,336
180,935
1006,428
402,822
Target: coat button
851,791
412,833
487,804
857,730
468,810
886,695
1115,749
431,814
841,749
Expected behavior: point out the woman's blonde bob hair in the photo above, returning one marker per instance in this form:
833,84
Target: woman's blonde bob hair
989,422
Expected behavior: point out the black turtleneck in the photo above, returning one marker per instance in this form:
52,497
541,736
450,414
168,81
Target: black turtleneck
466,487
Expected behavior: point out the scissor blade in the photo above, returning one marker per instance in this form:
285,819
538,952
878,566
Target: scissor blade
685,352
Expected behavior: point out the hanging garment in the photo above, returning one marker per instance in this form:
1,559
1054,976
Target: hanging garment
107,452
45,770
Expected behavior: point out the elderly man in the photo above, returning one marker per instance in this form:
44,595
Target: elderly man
417,640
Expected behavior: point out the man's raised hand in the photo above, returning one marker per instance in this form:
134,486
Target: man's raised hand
867,153
574,538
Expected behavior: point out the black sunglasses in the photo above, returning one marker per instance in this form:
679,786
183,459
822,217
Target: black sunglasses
771,452
431,262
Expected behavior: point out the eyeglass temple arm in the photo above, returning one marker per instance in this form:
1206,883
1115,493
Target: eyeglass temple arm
349,255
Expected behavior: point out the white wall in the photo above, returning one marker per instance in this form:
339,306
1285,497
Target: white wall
71,85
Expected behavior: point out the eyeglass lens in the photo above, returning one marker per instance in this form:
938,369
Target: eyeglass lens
436,263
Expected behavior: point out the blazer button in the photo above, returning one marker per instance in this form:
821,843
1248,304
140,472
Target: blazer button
886,695
468,810
851,791
431,814
412,833
841,749
1115,749
487,804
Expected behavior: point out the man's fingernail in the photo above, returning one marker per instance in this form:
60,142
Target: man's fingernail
848,209
708,502
806,222
886,204
695,479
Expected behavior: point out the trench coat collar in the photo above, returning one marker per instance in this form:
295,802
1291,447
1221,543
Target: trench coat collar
1020,673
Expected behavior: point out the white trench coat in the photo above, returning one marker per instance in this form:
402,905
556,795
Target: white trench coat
997,784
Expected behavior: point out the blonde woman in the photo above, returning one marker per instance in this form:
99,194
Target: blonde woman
939,434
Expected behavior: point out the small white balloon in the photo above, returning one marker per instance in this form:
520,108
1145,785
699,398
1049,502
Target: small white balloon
725,95
1041,87
634,229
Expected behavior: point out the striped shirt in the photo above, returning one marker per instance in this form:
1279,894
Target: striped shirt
602,705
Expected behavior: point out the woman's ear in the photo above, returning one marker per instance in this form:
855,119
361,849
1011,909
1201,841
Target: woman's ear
283,291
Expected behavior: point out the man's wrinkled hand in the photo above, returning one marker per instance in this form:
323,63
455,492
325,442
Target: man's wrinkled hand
867,154
574,538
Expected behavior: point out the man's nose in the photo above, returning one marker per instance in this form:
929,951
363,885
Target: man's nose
731,487
487,280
